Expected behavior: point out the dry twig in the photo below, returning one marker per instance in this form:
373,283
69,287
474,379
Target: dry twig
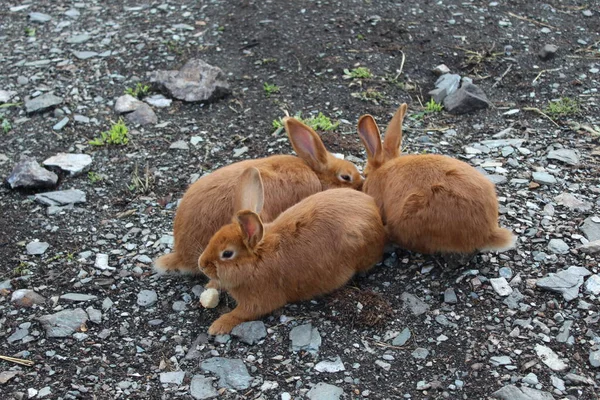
27,363
533,21
537,110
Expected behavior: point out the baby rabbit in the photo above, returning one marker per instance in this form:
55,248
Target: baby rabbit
311,249
429,203
209,203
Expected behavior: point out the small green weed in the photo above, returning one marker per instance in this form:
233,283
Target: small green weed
139,91
360,37
433,107
358,73
564,107
94,177
270,89
318,123
6,126
30,31
117,135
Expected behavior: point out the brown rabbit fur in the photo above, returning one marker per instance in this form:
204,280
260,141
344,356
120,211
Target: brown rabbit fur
429,203
311,249
209,203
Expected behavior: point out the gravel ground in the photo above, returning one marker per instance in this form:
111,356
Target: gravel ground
83,316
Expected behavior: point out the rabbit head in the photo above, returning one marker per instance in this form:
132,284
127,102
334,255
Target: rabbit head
233,247
379,153
331,171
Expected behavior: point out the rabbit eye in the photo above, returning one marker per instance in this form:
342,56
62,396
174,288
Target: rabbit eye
345,178
227,254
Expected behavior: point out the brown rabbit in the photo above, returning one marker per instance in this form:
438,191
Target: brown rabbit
311,249
429,203
209,203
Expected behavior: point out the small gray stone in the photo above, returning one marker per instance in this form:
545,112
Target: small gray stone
330,366
567,156
37,248
420,353
445,85
17,335
558,246
144,259
591,228
84,55
63,323
193,353
500,360
550,358
511,392
324,391
43,102
78,297
146,298
77,39
531,379
305,337
232,373
501,286
415,304
107,303
81,119
466,99
591,247
543,178
558,383
39,17
402,338
95,315
495,143
28,174
6,95
74,164
201,388
592,285
61,197
26,298
572,202
250,332
450,296
513,299
101,261
179,306
21,80
566,282
179,145
175,377
505,272
579,379
143,115
195,81
126,103
548,51
61,124
564,332
72,13
158,100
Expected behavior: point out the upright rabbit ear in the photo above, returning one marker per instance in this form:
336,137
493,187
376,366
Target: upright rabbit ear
250,193
307,144
251,226
369,135
393,133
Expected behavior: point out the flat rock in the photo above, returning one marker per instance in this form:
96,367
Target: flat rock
175,377
6,95
37,248
74,164
550,358
567,282
250,332
179,145
500,360
324,391
194,353
158,100
17,335
94,315
445,85
63,323
568,156
77,39
450,296
330,366
495,143
43,102
579,379
592,285
571,202
201,388
101,261
501,286
84,55
39,17
77,297
6,376
420,353
28,174
558,246
26,298
466,99
591,228
305,337
595,358
126,103
61,197
232,373
61,124
512,392
402,338
195,81
143,115
543,178
146,298
591,247
414,304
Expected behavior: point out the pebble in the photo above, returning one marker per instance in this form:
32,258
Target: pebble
63,323
420,353
250,332
37,248
591,228
61,197
147,298
126,103
500,360
566,282
173,377
501,286
544,178
43,102
592,285
550,358
158,100
512,392
101,261
450,296
324,391
558,246
179,145
467,99
61,124
414,304
568,156
201,388
143,115
85,55
39,17
331,365
402,338
548,52
232,373
78,39
305,337
77,297
179,306
573,203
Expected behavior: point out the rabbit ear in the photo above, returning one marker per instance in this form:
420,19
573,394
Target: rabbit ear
250,193
307,144
251,226
393,133
369,135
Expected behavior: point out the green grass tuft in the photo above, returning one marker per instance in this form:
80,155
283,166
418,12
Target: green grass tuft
564,107
358,73
117,135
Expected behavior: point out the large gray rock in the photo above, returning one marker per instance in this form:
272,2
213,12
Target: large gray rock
591,228
324,391
511,392
250,332
445,85
567,282
558,246
414,304
43,102
143,115
305,337
61,197
201,388
74,164
466,99
63,323
567,156
195,81
28,174
232,373
550,358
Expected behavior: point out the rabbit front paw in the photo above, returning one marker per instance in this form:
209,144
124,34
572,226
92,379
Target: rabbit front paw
223,325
